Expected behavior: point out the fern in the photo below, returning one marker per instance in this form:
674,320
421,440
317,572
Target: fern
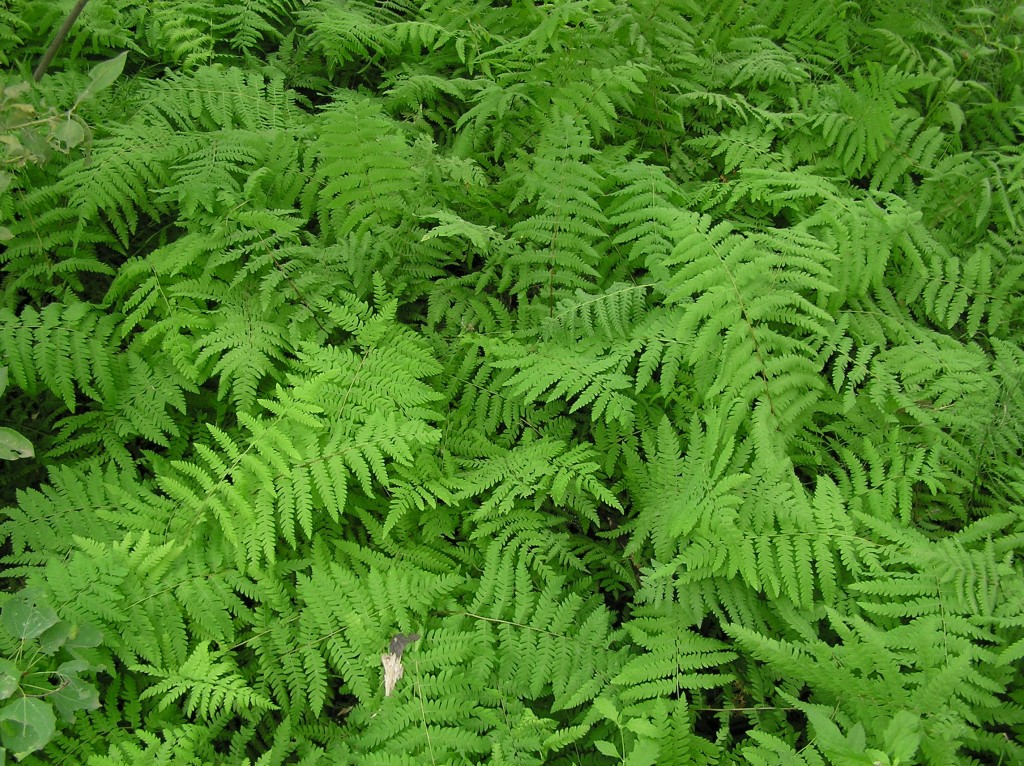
355,188
131,399
345,33
858,120
208,684
658,364
557,242
729,326
591,379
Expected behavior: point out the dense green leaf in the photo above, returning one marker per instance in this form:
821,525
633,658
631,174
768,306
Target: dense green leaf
26,724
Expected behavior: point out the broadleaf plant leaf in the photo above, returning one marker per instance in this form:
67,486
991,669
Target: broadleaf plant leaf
10,678
26,724
14,446
25,617
103,75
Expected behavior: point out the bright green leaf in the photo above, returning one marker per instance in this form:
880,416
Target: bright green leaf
606,708
607,748
13,445
644,753
903,736
642,726
103,75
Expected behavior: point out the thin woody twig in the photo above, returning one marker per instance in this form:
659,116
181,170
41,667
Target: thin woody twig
58,38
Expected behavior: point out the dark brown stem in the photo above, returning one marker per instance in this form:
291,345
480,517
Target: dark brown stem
58,38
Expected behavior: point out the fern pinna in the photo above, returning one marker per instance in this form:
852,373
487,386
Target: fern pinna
656,363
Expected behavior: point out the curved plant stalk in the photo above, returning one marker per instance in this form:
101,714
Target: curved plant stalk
58,39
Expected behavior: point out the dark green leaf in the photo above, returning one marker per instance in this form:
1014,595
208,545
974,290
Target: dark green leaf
74,695
10,678
26,724
53,638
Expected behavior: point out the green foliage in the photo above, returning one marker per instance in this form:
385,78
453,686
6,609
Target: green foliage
658,364
43,657
12,444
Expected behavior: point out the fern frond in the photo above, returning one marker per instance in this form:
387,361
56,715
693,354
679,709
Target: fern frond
246,23
63,348
117,586
547,471
350,32
558,242
349,619
364,174
209,682
79,500
12,27
586,377
178,120
183,31
856,121
673,657
736,293
609,316
762,63
547,633
243,347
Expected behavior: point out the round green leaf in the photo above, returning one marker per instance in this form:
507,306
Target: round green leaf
13,445
71,667
25,617
84,636
26,724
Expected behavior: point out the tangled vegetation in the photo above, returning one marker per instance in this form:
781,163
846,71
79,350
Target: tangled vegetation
630,381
